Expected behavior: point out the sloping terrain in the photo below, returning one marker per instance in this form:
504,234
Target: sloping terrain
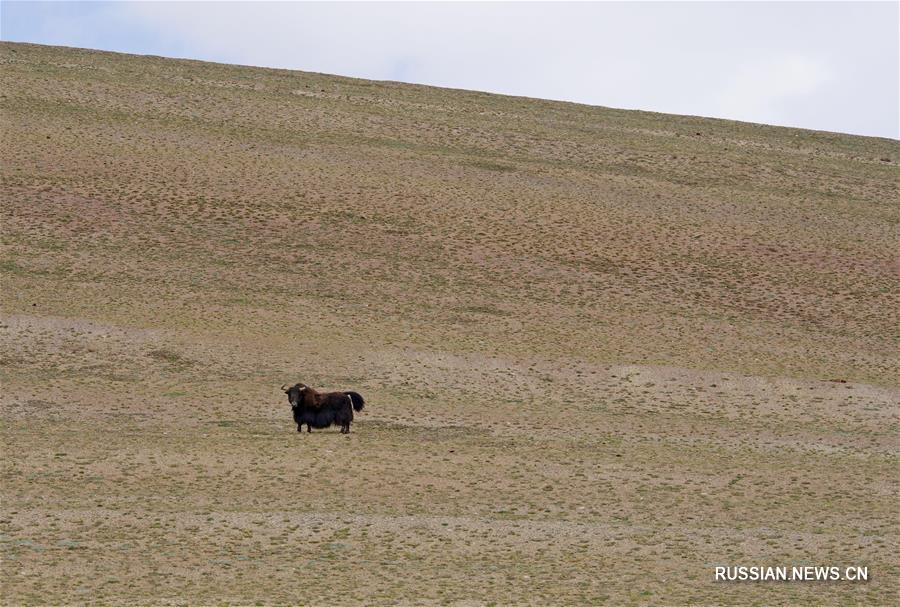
603,351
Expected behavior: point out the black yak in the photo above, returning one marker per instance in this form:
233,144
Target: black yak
320,410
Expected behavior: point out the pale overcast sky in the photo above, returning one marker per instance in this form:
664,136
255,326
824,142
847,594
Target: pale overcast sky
831,66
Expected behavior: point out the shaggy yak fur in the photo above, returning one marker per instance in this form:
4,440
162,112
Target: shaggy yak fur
320,410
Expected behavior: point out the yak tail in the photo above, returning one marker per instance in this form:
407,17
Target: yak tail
357,400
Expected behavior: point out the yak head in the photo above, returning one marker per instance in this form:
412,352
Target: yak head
293,394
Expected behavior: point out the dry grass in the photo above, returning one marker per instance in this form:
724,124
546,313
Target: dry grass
597,346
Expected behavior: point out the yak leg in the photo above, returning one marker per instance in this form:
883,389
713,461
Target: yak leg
299,427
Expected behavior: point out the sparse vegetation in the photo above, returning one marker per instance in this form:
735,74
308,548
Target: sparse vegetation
618,332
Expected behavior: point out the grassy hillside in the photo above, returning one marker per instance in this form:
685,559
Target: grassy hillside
599,346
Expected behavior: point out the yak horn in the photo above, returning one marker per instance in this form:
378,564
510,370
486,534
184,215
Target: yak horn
283,386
